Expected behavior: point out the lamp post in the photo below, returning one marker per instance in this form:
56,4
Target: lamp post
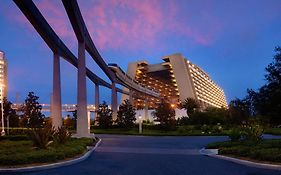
140,124
2,111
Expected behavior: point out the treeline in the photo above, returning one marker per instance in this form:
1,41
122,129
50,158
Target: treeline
27,115
265,103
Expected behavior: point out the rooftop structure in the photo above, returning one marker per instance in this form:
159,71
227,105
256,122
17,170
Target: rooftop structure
176,79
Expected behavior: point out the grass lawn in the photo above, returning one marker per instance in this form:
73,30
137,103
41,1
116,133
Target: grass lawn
21,152
265,150
273,131
182,131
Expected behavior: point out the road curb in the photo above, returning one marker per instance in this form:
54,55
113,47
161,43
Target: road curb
212,153
53,165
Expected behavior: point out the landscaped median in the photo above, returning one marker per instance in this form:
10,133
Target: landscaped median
18,151
263,152
154,130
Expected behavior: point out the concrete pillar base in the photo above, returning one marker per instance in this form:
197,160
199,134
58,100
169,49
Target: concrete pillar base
56,97
82,117
90,135
114,101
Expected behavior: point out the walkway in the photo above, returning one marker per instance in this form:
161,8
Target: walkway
140,155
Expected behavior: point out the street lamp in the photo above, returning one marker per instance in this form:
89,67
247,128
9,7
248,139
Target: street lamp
140,124
2,109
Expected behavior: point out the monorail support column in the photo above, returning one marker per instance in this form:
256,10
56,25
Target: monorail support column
146,109
97,99
114,101
131,96
56,96
82,117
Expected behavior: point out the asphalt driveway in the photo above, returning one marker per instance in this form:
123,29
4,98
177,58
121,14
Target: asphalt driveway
146,155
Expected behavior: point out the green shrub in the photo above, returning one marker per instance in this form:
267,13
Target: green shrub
217,128
41,137
268,154
183,121
243,151
23,153
235,134
206,129
253,133
225,144
14,137
18,131
62,135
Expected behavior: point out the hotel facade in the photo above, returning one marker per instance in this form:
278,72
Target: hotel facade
3,75
176,79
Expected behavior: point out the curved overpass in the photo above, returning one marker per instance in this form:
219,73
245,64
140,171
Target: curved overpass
82,34
127,81
43,28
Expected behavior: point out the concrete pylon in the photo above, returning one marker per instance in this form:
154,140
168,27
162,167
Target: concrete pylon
82,117
97,99
89,119
131,96
56,96
146,109
113,101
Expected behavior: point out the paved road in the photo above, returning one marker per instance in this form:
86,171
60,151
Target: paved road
140,155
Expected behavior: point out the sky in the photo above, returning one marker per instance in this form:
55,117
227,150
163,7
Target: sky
232,41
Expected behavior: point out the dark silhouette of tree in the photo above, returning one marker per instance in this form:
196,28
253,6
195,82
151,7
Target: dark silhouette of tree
104,117
191,105
74,114
165,114
126,116
266,101
31,109
239,111
69,122
9,113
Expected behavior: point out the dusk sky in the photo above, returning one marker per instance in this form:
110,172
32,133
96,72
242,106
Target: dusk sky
231,40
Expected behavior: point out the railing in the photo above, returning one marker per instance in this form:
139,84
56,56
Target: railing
64,107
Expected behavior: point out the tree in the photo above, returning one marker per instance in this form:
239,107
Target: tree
191,105
69,122
165,114
74,115
104,117
10,113
266,102
239,111
32,116
273,70
126,116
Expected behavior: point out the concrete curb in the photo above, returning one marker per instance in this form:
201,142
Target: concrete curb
213,153
53,165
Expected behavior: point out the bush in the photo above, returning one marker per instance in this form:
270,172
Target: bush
22,152
235,134
183,121
225,144
62,135
14,137
271,154
243,151
253,133
206,129
217,128
18,131
41,136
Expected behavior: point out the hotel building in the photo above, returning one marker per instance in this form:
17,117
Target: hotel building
176,79
3,75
